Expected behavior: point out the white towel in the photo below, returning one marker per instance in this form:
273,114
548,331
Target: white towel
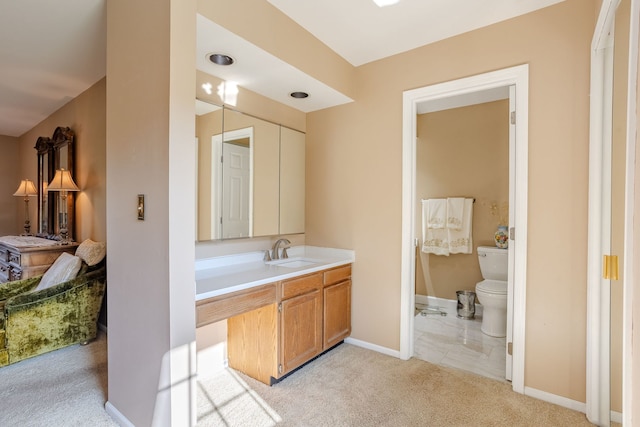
437,213
455,210
434,240
460,241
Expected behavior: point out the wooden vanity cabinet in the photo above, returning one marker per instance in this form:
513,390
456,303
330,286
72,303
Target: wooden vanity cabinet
337,305
311,314
252,343
300,321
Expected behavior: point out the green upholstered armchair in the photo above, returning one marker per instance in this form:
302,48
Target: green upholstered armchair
33,323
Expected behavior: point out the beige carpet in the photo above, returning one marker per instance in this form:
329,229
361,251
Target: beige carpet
351,386
67,387
348,386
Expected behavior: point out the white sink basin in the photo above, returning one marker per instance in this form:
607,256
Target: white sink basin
297,262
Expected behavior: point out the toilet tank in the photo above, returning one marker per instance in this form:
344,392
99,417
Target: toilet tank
493,262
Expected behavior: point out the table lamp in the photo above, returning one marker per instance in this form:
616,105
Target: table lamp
63,183
26,190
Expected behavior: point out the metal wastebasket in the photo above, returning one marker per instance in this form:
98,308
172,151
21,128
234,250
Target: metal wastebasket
466,304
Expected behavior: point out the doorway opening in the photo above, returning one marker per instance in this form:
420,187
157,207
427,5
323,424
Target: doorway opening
463,151
460,92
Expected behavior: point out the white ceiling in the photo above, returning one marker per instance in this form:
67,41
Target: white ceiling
276,79
50,52
362,32
54,50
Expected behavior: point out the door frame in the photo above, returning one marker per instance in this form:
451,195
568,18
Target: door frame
519,77
598,408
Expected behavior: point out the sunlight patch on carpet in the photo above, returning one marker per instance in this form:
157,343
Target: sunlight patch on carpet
225,399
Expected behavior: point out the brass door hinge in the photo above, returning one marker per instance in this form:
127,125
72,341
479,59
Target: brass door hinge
510,348
610,267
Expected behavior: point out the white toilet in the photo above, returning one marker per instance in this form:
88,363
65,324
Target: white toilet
492,291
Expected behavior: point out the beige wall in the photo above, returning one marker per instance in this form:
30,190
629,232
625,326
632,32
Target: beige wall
12,211
354,180
85,115
462,152
150,151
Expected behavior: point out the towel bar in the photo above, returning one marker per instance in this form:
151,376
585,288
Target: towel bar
474,199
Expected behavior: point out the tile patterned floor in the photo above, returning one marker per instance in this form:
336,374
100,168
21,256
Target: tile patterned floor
458,343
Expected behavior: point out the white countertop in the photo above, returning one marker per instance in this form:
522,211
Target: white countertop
226,274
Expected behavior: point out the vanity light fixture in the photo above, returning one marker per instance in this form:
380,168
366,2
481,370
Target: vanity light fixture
63,183
26,189
383,3
208,87
228,92
299,95
221,59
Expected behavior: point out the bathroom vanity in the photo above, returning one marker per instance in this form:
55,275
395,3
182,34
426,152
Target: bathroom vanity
280,314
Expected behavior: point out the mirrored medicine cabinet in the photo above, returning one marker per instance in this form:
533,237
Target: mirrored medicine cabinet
250,175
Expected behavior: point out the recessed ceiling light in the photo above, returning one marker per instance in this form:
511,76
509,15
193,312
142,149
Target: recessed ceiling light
299,95
383,3
221,59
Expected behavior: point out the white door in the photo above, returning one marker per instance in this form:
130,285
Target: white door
236,182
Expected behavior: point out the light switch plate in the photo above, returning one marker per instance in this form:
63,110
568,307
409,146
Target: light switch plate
141,207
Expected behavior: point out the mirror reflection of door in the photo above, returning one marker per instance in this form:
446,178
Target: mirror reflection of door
235,192
236,184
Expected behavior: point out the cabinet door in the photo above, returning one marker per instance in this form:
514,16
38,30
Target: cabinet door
252,343
301,330
337,313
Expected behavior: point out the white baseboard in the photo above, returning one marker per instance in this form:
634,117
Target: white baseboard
374,347
616,417
555,399
117,416
422,299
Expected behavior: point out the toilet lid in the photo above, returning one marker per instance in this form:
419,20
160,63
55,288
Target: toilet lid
493,287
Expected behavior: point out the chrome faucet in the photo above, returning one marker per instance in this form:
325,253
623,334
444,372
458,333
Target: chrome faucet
276,246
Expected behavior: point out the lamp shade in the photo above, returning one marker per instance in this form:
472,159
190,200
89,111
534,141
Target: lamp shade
62,181
26,188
